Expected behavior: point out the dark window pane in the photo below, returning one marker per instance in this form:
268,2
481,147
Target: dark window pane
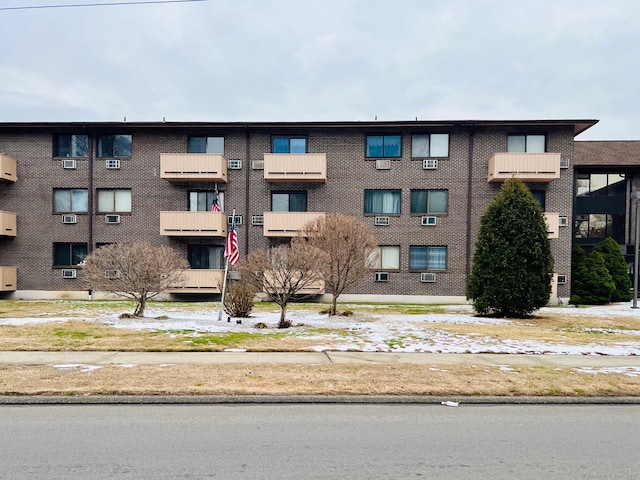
122,146
419,201
280,145
392,146
62,146
61,254
105,146
79,145
197,145
298,202
374,146
417,258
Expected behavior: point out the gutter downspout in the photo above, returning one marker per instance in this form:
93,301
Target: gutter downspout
469,202
246,190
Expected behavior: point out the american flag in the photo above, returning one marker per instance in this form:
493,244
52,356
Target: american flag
231,251
215,204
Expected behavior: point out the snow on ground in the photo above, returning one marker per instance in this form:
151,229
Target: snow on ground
374,331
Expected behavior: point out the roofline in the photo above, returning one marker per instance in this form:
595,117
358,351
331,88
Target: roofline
579,126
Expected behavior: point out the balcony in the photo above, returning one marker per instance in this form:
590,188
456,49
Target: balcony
200,281
193,167
295,167
287,224
315,287
528,167
7,168
8,279
193,224
8,226
553,224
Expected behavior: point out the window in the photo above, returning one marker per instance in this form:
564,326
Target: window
600,225
288,201
384,146
429,201
526,143
200,201
74,200
288,145
601,185
206,256
70,145
114,200
114,146
385,257
427,258
69,254
430,145
206,145
382,202
540,197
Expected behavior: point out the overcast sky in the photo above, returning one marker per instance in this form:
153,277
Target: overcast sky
323,60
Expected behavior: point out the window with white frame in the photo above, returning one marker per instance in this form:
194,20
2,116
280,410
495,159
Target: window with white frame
114,146
202,144
70,200
430,145
382,202
385,257
422,257
114,200
526,143
70,146
429,202
380,146
201,200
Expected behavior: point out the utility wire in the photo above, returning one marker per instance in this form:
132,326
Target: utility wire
101,4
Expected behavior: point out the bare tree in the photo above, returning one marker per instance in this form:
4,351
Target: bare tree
349,245
283,272
136,270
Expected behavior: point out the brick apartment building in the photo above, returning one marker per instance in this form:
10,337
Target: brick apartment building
422,186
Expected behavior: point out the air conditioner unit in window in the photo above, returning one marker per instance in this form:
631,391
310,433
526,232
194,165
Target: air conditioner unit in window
234,164
111,274
428,221
562,279
112,164
383,164
69,218
563,221
238,219
564,162
381,221
69,164
257,219
381,276
430,164
112,219
69,273
257,164
428,277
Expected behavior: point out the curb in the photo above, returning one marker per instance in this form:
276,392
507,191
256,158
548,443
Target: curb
305,399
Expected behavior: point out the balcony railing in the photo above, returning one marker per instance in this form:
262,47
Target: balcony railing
8,227
287,224
193,167
553,224
193,224
528,167
295,167
8,279
200,281
7,168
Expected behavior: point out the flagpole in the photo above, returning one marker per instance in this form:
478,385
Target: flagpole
226,271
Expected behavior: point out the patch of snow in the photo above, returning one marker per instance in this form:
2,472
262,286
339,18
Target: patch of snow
83,368
628,371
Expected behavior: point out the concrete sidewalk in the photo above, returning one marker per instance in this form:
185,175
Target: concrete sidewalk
311,358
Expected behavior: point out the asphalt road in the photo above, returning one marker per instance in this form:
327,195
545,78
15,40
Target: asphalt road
320,442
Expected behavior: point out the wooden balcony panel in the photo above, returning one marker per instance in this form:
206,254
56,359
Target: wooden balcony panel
295,167
528,167
193,224
287,224
200,281
7,168
553,224
315,287
8,224
8,279
193,167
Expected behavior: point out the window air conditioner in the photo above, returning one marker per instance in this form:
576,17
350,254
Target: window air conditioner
562,279
69,218
257,220
112,164
380,221
430,221
238,219
69,273
112,219
563,221
257,164
383,164
430,164
382,276
428,277
234,164
111,274
564,162
69,164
